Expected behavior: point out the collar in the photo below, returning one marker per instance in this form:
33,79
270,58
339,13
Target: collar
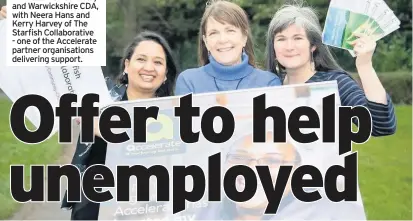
125,96
234,72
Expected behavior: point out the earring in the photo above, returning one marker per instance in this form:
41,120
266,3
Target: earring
276,66
312,62
125,78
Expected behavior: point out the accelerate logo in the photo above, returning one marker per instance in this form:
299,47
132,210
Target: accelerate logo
162,137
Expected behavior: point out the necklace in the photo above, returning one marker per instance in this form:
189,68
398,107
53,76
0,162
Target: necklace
236,88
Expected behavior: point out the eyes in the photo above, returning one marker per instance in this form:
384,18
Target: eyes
295,38
214,32
144,60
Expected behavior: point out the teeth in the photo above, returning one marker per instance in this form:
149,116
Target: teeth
147,78
224,49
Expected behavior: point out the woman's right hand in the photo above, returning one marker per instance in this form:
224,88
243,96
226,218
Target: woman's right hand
3,12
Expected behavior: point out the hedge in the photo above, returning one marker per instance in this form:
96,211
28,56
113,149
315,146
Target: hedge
397,84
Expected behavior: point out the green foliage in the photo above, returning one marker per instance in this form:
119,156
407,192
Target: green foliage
186,50
178,21
15,152
398,85
392,54
259,36
385,171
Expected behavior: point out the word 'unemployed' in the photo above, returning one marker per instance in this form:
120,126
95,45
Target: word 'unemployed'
100,176
185,111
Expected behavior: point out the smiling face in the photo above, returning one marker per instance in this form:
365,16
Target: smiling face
224,41
147,67
292,48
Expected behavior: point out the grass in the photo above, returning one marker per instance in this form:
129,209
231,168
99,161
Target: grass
385,172
385,167
14,152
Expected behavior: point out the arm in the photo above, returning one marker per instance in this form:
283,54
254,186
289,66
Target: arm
373,95
383,115
364,48
182,87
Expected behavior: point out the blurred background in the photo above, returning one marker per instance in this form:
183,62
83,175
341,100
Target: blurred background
178,21
385,164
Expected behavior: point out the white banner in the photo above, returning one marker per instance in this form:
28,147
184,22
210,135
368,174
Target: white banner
49,82
165,147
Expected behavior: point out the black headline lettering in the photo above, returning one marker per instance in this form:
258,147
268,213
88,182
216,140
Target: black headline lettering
17,119
99,176
185,112
261,113
66,111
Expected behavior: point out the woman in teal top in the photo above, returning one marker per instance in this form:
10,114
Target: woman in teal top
225,53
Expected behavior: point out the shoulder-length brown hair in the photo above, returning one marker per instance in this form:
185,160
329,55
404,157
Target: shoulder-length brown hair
228,12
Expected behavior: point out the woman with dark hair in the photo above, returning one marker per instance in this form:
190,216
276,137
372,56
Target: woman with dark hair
148,70
225,53
164,65
295,52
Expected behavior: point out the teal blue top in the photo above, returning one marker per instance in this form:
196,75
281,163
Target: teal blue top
215,77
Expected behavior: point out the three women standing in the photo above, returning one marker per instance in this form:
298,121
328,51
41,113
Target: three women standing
295,54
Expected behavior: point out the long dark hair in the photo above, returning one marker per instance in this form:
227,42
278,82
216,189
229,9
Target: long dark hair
167,88
307,18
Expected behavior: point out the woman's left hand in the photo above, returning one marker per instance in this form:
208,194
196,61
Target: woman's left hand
364,48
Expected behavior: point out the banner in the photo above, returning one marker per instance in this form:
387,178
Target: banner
50,82
209,194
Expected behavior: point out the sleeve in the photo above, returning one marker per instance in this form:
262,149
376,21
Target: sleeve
182,87
116,92
383,115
